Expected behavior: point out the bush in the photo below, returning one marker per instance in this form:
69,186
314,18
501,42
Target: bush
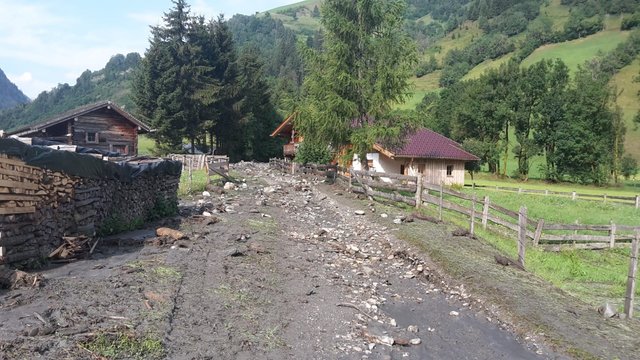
628,166
311,152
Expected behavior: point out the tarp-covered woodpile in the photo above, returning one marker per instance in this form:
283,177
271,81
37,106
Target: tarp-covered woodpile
47,194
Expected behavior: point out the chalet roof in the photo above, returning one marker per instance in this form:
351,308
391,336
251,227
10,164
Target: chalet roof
285,127
428,144
78,112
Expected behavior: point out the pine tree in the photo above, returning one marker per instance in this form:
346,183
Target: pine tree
163,89
361,72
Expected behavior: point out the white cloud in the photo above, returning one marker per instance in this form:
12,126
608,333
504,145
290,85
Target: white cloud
29,85
200,7
147,18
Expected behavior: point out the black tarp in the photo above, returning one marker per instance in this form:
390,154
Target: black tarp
86,166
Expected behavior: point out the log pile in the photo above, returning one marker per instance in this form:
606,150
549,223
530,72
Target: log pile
39,207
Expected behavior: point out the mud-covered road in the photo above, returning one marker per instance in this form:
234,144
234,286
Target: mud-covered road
285,268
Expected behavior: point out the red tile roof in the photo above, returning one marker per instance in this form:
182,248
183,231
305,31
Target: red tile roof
425,143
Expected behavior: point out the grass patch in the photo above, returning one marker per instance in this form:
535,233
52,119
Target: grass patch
630,188
125,346
265,225
576,52
196,184
593,276
146,145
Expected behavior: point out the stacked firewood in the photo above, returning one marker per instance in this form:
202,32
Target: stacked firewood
40,209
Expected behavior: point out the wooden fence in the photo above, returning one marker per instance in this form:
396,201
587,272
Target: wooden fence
627,200
413,191
196,161
214,164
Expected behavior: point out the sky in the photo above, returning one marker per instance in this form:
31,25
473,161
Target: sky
48,42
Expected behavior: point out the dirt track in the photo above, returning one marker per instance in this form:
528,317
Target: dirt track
289,272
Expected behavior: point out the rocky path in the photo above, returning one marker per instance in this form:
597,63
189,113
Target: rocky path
285,268
294,272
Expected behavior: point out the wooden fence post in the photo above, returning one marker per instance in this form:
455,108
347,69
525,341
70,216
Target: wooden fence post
637,201
538,233
419,191
546,191
473,215
612,235
631,278
573,195
522,234
485,212
440,205
190,176
605,198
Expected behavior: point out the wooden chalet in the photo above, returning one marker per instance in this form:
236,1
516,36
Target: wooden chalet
102,126
439,159
286,131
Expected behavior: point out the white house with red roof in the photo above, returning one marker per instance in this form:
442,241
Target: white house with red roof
438,158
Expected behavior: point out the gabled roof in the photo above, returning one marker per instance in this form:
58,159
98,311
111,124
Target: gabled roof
285,127
79,112
428,144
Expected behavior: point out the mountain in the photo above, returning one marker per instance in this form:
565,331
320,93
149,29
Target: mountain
10,95
111,83
460,39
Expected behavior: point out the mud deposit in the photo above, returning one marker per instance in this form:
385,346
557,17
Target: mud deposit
283,269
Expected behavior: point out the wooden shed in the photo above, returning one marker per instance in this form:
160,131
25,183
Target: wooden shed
103,126
286,131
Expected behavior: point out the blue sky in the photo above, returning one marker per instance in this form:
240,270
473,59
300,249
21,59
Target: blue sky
47,42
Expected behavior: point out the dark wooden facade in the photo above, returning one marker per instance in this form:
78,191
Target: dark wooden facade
102,126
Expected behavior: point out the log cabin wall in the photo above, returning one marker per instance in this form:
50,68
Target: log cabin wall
38,206
105,129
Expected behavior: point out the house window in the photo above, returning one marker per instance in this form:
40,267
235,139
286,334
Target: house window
402,169
449,170
121,149
92,137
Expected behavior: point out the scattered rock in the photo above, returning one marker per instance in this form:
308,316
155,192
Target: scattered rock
206,213
412,328
460,232
416,341
229,186
359,212
235,252
384,216
607,311
454,313
268,190
174,234
206,194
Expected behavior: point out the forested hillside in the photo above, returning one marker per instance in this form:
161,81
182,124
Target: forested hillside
111,83
457,42
10,95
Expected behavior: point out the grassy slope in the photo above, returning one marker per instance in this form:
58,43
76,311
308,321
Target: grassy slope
576,52
628,101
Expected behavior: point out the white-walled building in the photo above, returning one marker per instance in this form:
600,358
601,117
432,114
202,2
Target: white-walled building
438,158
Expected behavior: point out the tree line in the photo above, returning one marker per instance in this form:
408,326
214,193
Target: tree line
540,110
194,85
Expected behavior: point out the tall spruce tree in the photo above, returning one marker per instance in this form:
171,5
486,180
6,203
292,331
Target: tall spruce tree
163,88
259,117
362,70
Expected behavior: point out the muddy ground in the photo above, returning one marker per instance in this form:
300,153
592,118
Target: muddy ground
286,268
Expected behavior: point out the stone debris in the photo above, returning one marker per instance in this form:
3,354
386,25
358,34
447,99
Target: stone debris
359,212
454,313
229,186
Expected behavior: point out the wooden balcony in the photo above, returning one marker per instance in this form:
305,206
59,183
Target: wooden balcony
290,149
